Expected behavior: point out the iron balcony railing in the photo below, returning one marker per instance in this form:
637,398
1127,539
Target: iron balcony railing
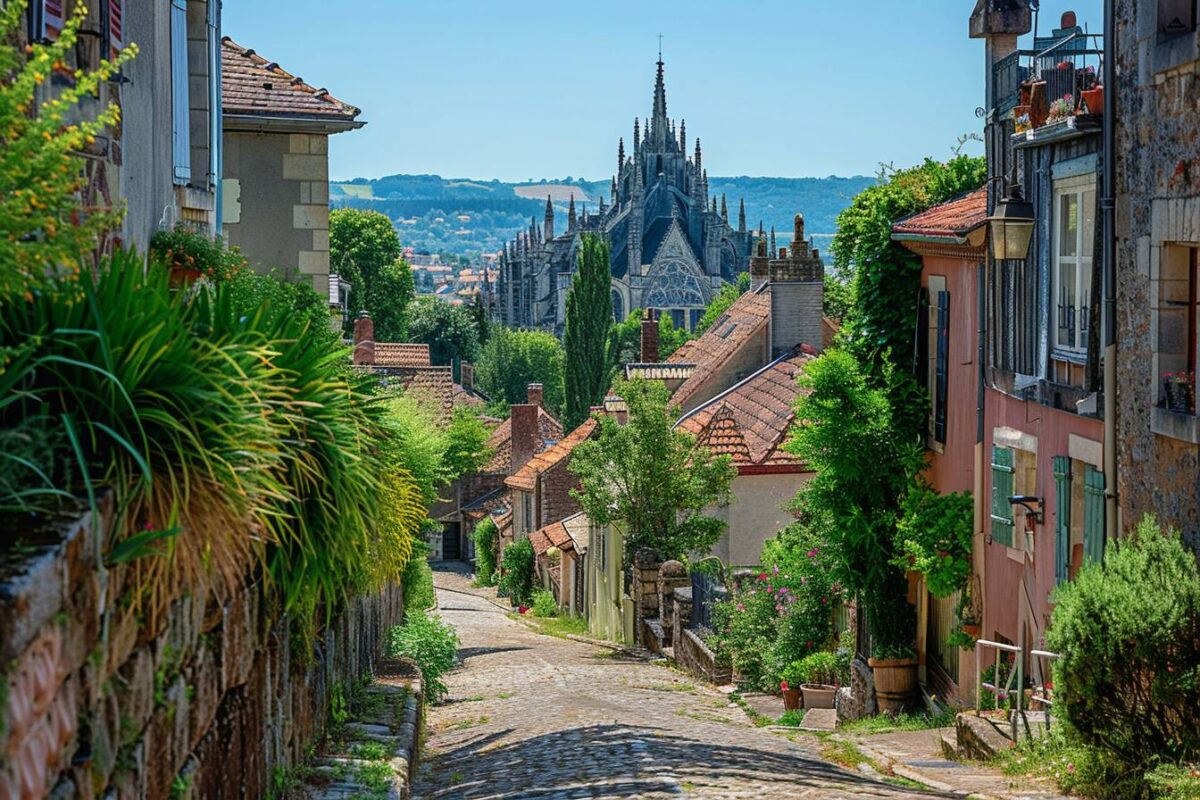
1079,50
1012,686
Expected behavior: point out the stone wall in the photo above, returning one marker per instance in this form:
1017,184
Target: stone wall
1158,215
207,706
644,589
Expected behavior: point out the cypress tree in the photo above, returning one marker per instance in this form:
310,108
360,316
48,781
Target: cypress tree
585,338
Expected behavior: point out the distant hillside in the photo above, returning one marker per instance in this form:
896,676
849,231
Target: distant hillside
468,217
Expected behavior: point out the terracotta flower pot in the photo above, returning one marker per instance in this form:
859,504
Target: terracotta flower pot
791,700
1093,100
895,682
971,629
818,695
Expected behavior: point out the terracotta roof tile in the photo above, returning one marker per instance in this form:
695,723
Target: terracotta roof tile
253,86
433,383
525,477
727,336
750,421
953,219
553,535
500,442
401,354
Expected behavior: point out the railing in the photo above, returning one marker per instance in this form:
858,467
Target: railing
706,591
1002,689
1009,72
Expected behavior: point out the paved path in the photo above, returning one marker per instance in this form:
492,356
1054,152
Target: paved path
531,716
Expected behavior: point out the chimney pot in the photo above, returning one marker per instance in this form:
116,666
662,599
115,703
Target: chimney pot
533,394
783,252
1069,20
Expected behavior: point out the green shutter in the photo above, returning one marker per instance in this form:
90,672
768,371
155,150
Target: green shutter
1002,489
1062,517
1093,514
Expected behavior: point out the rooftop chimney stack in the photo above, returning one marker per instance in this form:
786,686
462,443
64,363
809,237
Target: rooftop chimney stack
533,394
649,350
797,286
467,378
525,435
364,339
759,264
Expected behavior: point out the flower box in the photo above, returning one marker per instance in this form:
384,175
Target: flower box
818,695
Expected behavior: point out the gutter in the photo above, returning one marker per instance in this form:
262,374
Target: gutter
215,130
929,238
1109,261
261,123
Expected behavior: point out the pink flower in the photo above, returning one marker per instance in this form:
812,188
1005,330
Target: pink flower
775,570
783,686
741,607
762,576
812,553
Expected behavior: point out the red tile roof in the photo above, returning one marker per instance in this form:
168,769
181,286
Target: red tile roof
750,422
253,86
526,476
553,535
953,219
731,332
401,354
434,384
500,442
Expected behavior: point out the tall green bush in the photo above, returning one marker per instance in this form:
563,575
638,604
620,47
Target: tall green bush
417,580
486,538
589,318
432,643
1128,635
514,359
516,579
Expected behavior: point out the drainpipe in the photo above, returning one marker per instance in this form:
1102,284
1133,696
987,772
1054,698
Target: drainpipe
979,551
215,125
1109,257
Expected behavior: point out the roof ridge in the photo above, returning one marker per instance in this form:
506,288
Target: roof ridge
794,351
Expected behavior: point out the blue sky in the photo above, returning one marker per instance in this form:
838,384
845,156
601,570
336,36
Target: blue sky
492,88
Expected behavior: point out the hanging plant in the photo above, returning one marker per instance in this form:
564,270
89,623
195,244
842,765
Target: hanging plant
934,537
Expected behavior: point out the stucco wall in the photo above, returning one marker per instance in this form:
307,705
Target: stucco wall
276,202
1158,202
757,513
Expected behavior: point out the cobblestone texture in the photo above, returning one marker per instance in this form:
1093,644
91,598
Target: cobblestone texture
530,716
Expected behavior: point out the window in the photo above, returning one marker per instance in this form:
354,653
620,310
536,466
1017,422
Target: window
1178,309
46,18
1074,220
933,356
526,512
112,26
181,146
1176,17
1002,489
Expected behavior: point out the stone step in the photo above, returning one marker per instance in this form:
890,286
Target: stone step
949,745
979,738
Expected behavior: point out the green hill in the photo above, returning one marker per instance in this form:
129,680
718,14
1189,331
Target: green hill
466,217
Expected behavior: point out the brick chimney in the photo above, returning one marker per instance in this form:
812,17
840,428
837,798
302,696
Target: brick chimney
525,434
533,394
364,339
467,379
797,286
758,265
649,350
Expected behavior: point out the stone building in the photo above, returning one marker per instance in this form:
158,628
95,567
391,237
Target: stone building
1158,240
276,165
671,248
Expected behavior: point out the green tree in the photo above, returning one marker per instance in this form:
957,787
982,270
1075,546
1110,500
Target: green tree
670,338
43,234
483,325
364,249
449,330
855,499
514,359
466,445
651,478
589,319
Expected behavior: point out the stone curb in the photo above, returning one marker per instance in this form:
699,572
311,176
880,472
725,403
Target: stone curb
905,771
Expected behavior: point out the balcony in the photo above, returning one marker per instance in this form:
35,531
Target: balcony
1056,85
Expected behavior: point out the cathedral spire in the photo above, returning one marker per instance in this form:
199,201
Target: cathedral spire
571,214
742,215
659,123
714,205
549,225
774,252
698,154
683,135
620,154
637,134
724,210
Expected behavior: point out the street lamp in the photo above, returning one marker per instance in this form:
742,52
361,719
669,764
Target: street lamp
1011,224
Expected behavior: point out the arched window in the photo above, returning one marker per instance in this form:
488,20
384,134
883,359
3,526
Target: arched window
618,306
673,284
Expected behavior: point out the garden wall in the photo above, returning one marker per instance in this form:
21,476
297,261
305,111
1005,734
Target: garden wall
210,705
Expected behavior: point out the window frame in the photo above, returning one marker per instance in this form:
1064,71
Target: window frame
1002,521
181,138
1079,186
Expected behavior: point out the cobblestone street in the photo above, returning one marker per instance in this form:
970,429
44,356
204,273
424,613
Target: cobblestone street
532,716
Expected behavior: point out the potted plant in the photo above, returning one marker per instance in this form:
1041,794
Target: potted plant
1021,120
1062,110
818,679
894,668
968,616
1179,391
789,684
1092,100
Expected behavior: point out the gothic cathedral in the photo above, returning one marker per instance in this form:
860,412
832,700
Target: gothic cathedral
672,248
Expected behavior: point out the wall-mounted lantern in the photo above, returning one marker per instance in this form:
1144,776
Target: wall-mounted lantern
1011,225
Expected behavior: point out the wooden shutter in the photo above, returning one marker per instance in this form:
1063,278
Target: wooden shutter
1093,514
181,145
1002,489
922,355
114,27
1062,517
53,17
941,367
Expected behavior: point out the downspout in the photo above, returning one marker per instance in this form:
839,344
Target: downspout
979,550
215,124
1109,257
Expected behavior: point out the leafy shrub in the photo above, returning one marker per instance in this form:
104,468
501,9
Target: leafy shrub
817,668
186,248
543,604
1175,781
1128,633
486,538
432,643
417,583
745,628
934,535
1077,769
516,580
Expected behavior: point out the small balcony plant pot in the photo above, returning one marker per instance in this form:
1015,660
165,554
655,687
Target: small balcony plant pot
1039,104
1093,100
792,699
895,682
971,629
818,695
